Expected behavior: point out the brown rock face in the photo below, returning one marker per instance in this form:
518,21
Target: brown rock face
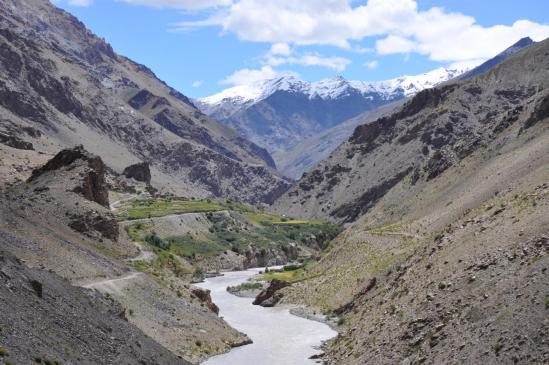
93,186
269,297
15,142
88,223
139,172
204,296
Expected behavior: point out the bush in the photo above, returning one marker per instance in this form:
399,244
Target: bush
156,241
292,267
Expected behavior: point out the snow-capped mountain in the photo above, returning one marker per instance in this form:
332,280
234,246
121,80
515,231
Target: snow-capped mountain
280,113
327,89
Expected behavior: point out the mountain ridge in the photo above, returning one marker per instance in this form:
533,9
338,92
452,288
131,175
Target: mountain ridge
360,172
331,88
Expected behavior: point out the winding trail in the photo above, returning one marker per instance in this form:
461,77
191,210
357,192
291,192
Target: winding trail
144,255
113,285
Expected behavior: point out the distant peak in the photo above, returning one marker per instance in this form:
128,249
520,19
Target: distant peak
524,42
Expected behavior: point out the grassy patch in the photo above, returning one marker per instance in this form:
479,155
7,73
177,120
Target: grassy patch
281,275
245,286
190,247
138,209
289,272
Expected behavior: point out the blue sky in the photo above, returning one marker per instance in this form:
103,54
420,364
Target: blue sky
203,46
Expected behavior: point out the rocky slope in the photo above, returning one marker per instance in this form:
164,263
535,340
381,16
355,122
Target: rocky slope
60,86
45,319
433,131
283,112
448,262
522,43
59,220
305,155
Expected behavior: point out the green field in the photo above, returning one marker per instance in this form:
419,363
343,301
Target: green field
289,272
245,226
140,209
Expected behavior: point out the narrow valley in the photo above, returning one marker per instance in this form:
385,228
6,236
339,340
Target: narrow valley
315,182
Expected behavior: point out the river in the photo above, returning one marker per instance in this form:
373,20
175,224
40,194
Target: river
279,338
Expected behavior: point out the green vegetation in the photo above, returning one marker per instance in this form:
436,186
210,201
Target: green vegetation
230,227
236,232
245,286
164,261
290,272
189,247
139,209
3,352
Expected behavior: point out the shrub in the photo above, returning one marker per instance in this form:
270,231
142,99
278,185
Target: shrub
156,241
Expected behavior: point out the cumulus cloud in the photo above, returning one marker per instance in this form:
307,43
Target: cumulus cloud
282,49
180,4
80,2
436,33
371,65
283,54
395,44
248,76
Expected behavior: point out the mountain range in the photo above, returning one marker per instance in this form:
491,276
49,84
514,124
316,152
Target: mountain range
300,123
280,113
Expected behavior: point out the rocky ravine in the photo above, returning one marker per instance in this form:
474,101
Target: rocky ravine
61,86
447,263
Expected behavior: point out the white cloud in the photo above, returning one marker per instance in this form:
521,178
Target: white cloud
180,4
282,49
394,44
80,2
334,63
197,83
436,33
248,76
371,65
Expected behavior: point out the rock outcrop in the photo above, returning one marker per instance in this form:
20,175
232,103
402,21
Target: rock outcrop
91,181
139,171
204,296
270,296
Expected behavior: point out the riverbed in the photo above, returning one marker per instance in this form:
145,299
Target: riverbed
279,338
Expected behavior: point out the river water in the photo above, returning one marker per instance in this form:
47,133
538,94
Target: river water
279,338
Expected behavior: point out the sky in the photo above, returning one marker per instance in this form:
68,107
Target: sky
201,47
